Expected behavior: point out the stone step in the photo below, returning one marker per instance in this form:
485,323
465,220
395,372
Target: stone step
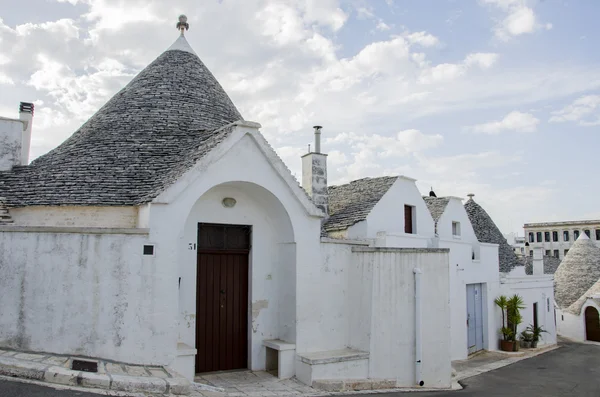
347,385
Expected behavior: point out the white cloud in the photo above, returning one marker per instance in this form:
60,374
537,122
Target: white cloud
580,111
514,121
519,18
450,71
422,38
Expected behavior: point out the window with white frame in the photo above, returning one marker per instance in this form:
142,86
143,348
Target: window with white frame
456,229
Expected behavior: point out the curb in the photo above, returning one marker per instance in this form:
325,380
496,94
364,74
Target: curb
63,376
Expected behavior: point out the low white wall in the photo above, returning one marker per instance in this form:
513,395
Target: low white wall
76,216
88,294
533,289
570,325
382,298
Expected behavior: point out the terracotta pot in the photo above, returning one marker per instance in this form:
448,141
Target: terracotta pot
507,345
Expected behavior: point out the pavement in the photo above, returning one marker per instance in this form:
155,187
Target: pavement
571,370
116,377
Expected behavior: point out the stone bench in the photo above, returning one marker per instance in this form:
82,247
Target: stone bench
281,357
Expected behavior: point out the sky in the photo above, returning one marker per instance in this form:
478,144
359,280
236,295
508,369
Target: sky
499,98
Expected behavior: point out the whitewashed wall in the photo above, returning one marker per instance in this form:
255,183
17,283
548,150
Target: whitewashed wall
83,293
538,289
11,137
382,319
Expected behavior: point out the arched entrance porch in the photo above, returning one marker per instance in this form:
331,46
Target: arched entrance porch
239,287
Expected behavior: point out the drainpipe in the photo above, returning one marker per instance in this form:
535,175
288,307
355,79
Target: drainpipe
418,349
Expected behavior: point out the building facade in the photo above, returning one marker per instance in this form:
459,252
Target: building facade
556,238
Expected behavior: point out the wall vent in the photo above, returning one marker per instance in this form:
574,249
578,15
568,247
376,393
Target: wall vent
149,250
83,365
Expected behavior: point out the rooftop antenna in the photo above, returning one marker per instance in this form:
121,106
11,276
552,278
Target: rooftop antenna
182,25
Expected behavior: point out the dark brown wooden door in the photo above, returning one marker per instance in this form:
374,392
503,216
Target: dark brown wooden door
222,297
592,324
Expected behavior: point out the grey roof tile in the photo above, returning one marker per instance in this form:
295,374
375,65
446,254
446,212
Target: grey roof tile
136,145
577,273
436,206
352,202
487,232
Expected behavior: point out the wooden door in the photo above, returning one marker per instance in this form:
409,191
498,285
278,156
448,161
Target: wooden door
474,318
592,324
222,297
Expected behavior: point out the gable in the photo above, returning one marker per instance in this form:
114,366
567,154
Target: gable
243,156
388,214
455,212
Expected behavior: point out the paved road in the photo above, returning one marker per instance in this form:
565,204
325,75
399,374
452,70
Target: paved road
571,371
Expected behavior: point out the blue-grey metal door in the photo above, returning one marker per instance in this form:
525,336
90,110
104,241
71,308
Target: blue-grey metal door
474,318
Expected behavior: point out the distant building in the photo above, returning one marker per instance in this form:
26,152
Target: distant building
556,238
517,243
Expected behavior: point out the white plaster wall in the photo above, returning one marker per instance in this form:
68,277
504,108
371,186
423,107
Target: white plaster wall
11,136
388,284
455,212
242,158
388,213
92,295
538,289
570,325
76,216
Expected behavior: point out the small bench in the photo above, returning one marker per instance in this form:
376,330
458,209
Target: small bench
280,356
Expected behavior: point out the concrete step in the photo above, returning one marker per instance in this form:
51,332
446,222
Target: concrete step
346,385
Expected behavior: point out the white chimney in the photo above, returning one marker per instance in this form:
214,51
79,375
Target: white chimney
538,261
26,116
314,174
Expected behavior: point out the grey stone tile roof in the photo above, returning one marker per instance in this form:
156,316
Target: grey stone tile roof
137,144
591,293
550,264
436,206
487,232
352,202
577,273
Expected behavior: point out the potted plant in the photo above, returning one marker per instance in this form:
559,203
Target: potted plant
536,332
526,338
514,304
507,341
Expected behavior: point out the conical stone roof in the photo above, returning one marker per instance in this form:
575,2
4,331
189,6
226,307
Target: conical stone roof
138,143
486,231
577,273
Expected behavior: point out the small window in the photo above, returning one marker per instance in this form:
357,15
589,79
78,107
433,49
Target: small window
566,251
531,240
556,253
409,219
547,237
554,236
539,237
456,229
587,233
597,234
547,252
566,235
530,252
575,234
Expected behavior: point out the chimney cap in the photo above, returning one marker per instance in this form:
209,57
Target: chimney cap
317,128
470,195
26,107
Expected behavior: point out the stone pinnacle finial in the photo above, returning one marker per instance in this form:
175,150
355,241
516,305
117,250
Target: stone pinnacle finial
470,196
182,25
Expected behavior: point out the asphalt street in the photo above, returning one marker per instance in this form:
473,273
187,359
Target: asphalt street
570,371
